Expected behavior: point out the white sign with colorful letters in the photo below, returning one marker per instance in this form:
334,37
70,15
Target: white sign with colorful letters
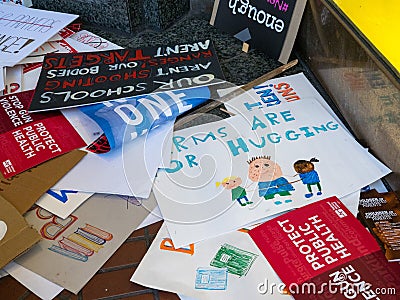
230,173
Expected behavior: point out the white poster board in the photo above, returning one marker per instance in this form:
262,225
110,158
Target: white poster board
22,30
229,173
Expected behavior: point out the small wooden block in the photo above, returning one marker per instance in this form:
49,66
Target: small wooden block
245,47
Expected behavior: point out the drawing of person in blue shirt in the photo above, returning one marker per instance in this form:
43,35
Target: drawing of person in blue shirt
305,169
268,174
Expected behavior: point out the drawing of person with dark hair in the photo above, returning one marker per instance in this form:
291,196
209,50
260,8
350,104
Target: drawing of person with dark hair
309,177
238,193
268,174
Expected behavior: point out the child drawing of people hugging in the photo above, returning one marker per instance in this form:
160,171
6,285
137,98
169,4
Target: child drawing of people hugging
238,193
268,174
309,177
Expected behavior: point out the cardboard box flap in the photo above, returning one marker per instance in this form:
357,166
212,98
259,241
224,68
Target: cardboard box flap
24,189
16,236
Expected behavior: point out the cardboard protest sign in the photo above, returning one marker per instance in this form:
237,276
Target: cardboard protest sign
24,189
287,89
323,246
69,80
73,250
30,139
270,26
230,173
22,30
16,236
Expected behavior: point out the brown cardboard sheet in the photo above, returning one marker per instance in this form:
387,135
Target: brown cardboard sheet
24,189
16,236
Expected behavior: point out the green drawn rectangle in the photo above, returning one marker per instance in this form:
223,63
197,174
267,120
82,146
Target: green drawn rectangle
237,261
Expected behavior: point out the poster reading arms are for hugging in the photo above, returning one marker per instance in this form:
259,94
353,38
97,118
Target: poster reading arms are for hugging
229,173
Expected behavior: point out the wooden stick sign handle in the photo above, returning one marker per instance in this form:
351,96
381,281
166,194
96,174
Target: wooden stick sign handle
179,124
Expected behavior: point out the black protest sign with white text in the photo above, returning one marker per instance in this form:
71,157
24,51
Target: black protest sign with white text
76,79
268,25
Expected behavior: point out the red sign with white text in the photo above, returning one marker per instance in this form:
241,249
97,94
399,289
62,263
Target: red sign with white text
324,245
30,139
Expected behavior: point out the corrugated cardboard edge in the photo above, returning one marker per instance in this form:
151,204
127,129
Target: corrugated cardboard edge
18,244
57,167
19,236
292,31
214,12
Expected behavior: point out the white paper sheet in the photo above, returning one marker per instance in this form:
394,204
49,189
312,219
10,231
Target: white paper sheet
2,78
183,297
89,38
377,185
26,29
351,202
129,170
194,207
38,285
56,37
61,46
3,273
62,203
154,217
80,47
12,80
176,271
30,79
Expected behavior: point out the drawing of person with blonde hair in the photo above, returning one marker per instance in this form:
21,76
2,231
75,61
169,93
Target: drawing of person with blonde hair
238,193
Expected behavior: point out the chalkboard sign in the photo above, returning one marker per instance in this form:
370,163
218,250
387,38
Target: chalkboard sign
76,79
268,25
